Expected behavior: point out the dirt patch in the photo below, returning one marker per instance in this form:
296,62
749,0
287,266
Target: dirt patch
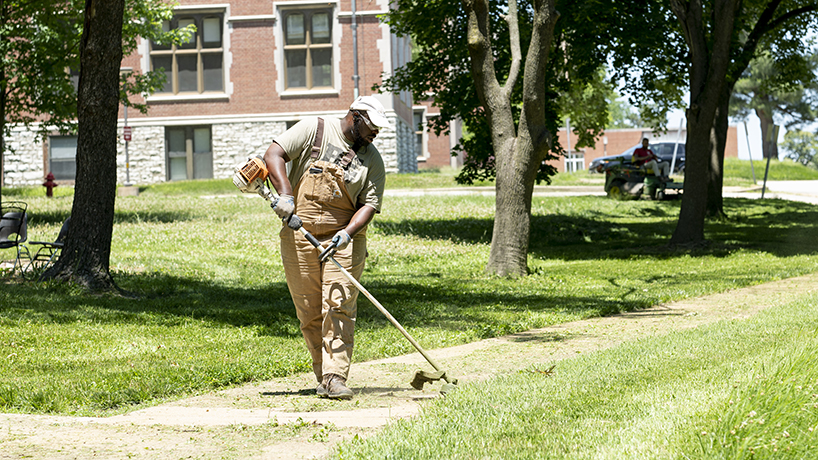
283,419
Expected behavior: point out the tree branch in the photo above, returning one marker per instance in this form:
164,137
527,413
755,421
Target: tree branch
764,24
482,59
516,52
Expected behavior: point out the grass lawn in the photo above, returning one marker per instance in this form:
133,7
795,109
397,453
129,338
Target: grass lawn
213,309
741,389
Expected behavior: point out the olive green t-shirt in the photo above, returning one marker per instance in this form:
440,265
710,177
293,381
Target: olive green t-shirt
364,178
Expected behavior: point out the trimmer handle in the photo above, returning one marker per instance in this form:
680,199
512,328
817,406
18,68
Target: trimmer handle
328,252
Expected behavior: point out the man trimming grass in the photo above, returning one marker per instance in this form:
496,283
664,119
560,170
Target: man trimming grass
339,179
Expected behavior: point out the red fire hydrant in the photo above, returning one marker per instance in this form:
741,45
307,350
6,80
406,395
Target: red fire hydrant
49,184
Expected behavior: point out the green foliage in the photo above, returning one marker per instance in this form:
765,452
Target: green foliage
641,44
621,114
441,67
211,307
802,147
784,86
41,43
587,106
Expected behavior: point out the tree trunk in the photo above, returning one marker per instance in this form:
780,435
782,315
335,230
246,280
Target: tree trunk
86,256
518,152
715,197
709,54
769,142
3,88
2,132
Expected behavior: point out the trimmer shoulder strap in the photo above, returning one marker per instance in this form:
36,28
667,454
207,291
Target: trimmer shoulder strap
319,138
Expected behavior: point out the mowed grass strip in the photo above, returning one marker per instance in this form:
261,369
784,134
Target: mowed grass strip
736,389
211,307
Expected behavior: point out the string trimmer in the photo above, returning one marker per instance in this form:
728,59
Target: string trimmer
249,178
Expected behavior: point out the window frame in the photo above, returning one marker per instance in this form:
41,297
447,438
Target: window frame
308,46
308,9
189,153
51,156
420,132
199,50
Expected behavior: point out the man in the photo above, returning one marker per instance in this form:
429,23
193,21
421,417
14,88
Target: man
645,156
339,180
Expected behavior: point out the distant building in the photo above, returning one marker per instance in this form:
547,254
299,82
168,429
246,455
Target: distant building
616,141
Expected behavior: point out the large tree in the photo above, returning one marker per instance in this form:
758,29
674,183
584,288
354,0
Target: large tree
522,148
510,72
708,34
45,46
760,25
85,257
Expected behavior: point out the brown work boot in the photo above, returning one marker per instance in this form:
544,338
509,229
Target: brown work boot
336,387
321,390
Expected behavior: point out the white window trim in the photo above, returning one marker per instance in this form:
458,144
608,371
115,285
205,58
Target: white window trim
425,131
574,161
278,62
144,52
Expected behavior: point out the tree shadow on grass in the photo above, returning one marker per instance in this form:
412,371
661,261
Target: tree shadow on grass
171,301
161,300
595,234
430,301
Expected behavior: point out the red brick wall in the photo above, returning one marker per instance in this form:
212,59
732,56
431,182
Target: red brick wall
253,69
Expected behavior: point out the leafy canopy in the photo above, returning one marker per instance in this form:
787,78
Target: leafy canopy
40,58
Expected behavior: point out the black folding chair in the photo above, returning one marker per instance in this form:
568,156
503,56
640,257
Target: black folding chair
47,253
14,231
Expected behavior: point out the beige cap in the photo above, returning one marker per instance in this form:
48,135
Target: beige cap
373,108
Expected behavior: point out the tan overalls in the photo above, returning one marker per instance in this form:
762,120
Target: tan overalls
325,300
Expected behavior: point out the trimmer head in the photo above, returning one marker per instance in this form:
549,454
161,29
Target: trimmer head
422,377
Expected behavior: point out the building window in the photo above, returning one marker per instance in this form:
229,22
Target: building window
195,66
574,161
418,126
62,157
308,49
189,152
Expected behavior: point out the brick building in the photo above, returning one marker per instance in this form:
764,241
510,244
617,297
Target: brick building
253,68
616,141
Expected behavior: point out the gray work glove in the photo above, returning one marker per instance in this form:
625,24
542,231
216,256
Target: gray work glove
284,207
341,240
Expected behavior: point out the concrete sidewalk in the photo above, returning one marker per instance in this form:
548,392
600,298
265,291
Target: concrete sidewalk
805,191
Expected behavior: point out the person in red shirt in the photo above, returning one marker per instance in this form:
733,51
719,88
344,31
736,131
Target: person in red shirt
644,156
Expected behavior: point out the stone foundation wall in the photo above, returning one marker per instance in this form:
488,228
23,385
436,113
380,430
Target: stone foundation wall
231,144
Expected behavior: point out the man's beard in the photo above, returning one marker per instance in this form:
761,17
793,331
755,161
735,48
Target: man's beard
358,141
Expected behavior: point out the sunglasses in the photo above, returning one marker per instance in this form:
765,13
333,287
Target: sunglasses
368,123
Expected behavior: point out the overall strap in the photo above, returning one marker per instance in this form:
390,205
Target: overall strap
319,137
316,146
